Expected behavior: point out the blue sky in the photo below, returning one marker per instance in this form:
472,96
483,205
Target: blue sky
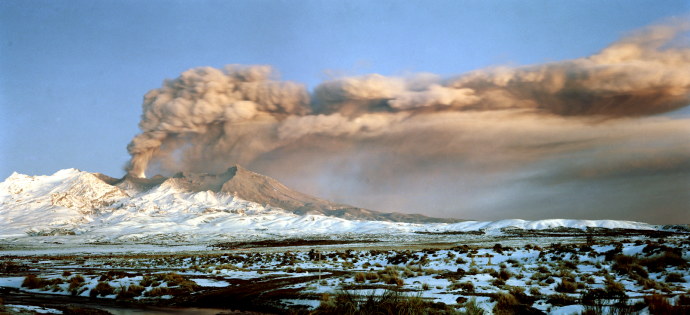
73,73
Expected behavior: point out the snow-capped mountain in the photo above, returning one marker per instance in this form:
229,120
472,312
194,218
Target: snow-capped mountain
205,207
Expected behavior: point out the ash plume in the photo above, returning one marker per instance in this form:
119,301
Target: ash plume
213,108
567,121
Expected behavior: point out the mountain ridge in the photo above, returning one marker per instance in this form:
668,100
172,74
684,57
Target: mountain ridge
247,185
76,206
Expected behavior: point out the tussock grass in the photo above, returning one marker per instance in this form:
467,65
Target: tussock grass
371,276
534,291
674,277
389,302
566,286
75,283
159,291
466,286
660,305
102,289
506,304
561,299
360,277
132,291
34,282
599,302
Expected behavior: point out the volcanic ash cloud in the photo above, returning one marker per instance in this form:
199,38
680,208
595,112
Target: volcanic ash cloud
490,120
211,110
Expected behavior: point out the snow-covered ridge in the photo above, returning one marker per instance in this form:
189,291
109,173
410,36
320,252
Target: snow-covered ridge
73,202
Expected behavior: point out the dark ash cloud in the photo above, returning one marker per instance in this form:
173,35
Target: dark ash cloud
439,146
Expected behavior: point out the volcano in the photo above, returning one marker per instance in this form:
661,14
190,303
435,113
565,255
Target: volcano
72,206
247,185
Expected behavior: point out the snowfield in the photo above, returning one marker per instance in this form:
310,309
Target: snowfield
542,278
39,209
78,234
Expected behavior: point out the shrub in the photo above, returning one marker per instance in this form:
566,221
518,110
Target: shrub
561,299
425,286
629,265
384,278
506,303
504,274
134,290
395,280
675,277
471,308
649,284
389,270
659,263
566,287
538,276
360,277
534,291
75,283
498,282
146,281
77,279
615,288
466,286
569,265
102,289
173,279
32,282
159,291
596,301
659,305
113,275
390,302
66,273
371,276
408,273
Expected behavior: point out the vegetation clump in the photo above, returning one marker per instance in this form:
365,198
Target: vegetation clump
566,287
34,282
132,291
389,302
102,289
660,305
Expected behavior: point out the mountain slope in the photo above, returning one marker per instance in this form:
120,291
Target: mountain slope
207,207
247,185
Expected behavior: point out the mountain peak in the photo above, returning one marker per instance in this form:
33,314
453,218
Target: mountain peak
236,181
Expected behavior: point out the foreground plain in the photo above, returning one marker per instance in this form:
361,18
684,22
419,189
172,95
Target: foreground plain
548,273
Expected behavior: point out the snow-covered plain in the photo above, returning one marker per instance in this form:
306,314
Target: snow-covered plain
534,272
77,207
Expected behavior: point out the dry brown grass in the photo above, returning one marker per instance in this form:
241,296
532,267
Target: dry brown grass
360,277
102,289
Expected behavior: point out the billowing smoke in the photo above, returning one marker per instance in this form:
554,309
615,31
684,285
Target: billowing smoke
639,75
499,121
211,107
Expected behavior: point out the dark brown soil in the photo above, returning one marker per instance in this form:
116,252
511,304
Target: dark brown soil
258,295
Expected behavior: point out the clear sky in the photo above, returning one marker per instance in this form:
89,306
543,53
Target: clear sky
73,73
